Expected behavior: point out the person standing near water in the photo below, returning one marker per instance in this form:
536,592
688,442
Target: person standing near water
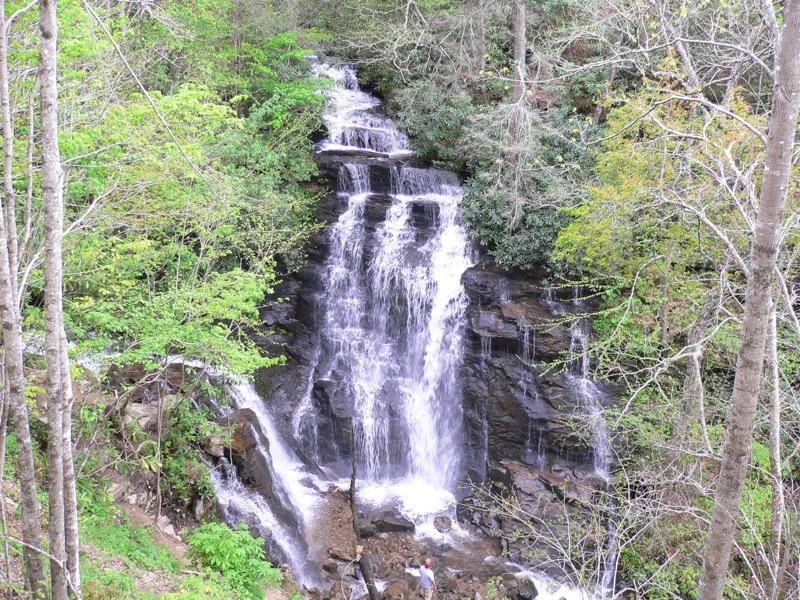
427,580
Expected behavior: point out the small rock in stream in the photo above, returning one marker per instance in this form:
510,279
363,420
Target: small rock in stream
334,552
396,591
330,566
442,524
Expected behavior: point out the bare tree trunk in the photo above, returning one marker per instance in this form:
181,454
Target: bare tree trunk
8,154
778,503
27,229
5,397
763,258
693,402
12,342
366,571
72,544
520,72
52,179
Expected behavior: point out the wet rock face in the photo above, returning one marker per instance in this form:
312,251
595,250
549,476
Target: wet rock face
520,402
252,467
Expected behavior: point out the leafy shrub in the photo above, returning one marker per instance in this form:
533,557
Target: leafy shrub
235,554
434,118
210,587
107,584
186,476
523,243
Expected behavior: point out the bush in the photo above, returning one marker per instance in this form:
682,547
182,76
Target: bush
237,555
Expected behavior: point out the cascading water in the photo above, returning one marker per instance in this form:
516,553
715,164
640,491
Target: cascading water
391,340
296,493
383,387
591,397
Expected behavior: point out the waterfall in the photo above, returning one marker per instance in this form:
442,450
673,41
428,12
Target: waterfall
354,125
391,338
591,397
279,515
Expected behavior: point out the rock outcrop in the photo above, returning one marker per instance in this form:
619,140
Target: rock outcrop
521,400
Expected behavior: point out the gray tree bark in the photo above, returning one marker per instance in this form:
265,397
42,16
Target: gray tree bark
12,342
70,486
52,179
692,402
763,258
778,502
8,155
520,72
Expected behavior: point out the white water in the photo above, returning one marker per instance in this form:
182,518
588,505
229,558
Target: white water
295,490
391,340
353,123
592,397
390,344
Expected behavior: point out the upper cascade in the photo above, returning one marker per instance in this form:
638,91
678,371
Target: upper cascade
353,124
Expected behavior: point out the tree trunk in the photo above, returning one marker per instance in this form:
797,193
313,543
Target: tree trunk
763,258
12,342
692,402
366,571
520,71
72,542
778,503
52,180
5,398
8,154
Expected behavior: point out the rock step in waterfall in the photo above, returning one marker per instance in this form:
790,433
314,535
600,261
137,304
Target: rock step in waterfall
416,365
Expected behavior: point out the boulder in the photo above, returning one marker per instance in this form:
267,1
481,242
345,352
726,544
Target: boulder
393,524
330,566
375,563
144,415
366,528
246,431
442,524
340,554
397,590
213,446
449,582
527,589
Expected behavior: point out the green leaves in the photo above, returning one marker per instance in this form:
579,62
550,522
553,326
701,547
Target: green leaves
237,555
187,227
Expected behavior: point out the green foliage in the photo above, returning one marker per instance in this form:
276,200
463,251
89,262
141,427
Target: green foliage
517,200
108,584
491,587
208,587
132,543
520,243
235,554
172,279
435,119
663,582
187,476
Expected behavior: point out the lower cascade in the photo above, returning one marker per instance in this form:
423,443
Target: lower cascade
414,369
